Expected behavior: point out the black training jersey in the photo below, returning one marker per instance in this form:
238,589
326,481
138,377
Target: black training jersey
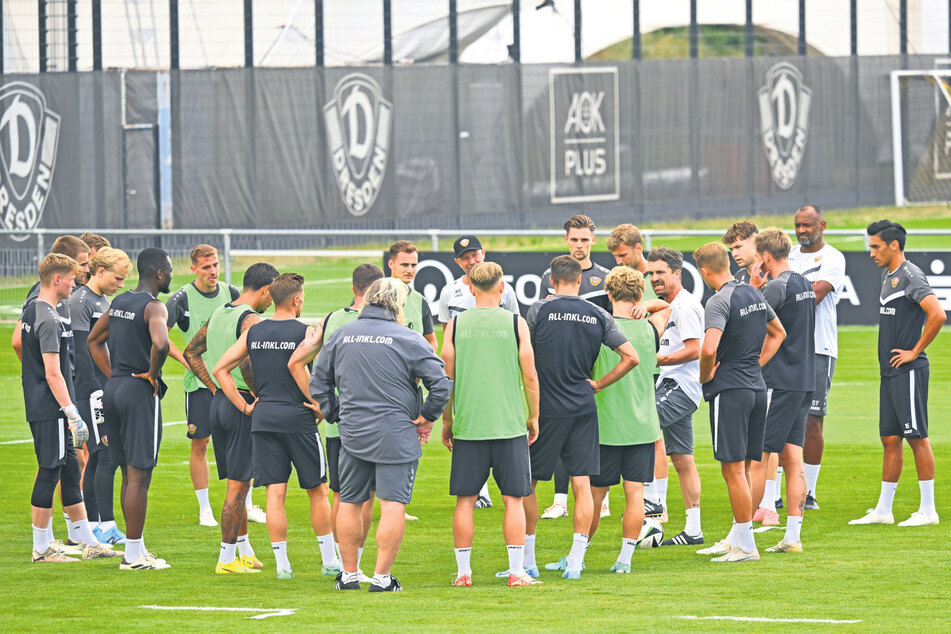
280,402
130,343
592,286
85,309
567,333
901,317
741,312
44,330
793,366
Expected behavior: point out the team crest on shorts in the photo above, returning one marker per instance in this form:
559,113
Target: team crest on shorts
894,282
784,103
105,440
29,135
192,428
594,280
358,130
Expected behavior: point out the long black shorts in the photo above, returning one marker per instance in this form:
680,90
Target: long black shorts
507,458
903,404
135,416
231,437
574,439
274,453
738,424
52,441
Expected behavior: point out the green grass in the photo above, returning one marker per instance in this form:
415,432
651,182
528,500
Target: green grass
888,577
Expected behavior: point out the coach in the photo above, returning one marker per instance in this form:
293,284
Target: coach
373,362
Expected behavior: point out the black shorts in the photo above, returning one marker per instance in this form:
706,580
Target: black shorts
333,464
135,421
737,424
903,404
574,439
632,463
274,453
785,419
231,437
198,413
825,368
52,441
508,459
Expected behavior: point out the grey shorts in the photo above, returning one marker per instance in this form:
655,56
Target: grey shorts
825,368
675,410
393,482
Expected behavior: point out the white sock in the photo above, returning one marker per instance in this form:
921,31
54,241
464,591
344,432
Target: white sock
226,556
280,555
81,528
359,556
327,553
41,540
516,559
793,526
529,558
203,503
49,530
732,538
133,550
244,546
484,491
650,490
886,497
812,477
381,580
579,543
627,550
71,534
769,496
692,526
107,526
744,535
660,485
349,577
927,496
247,500
779,484
463,567
561,498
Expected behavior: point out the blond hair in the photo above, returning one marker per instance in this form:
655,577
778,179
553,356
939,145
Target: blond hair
485,276
713,256
625,234
57,263
203,251
775,242
114,260
389,294
625,284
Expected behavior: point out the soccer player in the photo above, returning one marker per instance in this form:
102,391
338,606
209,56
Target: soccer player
567,334
374,363
55,422
404,258
579,237
678,390
230,424
824,266
488,354
108,269
299,365
189,308
910,317
790,382
130,344
283,429
742,333
456,298
628,428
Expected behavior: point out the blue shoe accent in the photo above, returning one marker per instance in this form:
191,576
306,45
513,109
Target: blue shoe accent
561,564
571,574
97,532
112,536
532,572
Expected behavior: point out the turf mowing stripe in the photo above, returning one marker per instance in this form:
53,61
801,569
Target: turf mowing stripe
266,611
762,619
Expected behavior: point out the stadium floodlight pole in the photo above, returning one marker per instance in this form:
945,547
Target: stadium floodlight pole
388,32
802,28
173,42
516,51
578,56
748,30
903,27
72,54
693,32
97,34
854,21
319,31
42,31
636,31
453,32
248,33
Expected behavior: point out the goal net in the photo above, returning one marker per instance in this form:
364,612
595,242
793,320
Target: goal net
921,135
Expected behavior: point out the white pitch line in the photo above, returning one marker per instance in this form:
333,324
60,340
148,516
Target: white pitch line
26,440
266,612
762,619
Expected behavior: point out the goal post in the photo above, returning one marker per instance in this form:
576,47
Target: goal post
921,134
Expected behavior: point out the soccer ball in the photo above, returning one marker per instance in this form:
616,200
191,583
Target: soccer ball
652,534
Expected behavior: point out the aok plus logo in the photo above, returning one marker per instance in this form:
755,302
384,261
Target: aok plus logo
29,134
358,131
784,120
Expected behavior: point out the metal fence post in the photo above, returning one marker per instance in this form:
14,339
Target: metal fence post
226,251
854,26
748,31
636,31
97,34
319,31
40,248
453,32
578,55
72,47
388,32
903,26
434,239
693,32
41,27
248,33
173,34
802,27
516,50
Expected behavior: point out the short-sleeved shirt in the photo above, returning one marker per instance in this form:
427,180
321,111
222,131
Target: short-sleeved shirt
44,331
567,333
592,286
85,309
456,298
63,308
827,264
793,367
901,317
685,323
741,313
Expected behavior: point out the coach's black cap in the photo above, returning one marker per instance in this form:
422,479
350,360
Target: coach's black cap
466,243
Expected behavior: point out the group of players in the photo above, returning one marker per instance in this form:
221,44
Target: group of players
599,381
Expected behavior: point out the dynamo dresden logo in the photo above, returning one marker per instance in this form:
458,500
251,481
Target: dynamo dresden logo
358,131
29,135
784,117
